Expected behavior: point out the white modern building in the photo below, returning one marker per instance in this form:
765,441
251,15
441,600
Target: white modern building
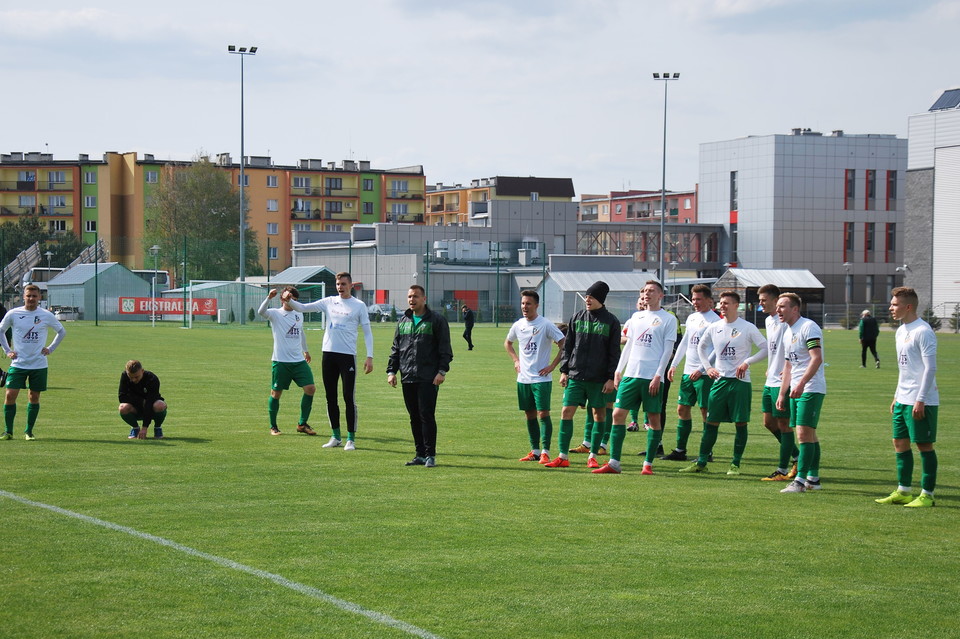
832,204
933,205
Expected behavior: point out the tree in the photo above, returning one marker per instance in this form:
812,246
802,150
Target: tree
65,249
199,203
955,318
930,318
28,229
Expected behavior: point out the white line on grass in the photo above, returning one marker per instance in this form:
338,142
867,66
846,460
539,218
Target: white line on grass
280,580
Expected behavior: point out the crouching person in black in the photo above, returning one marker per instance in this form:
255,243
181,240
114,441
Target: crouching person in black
140,399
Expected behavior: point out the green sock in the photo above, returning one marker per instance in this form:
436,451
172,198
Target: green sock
787,446
928,470
158,418
533,431
566,434
273,407
805,461
336,433
684,428
588,427
618,432
33,410
546,433
9,412
131,420
815,465
596,440
635,415
306,405
607,427
710,433
653,443
778,435
350,436
905,468
739,443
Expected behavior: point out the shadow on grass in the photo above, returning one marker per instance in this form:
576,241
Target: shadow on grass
166,441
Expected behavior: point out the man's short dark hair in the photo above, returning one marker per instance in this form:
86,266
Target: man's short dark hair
294,293
133,366
417,287
703,289
344,275
657,283
769,289
732,294
533,294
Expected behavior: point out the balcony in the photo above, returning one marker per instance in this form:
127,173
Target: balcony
408,218
404,195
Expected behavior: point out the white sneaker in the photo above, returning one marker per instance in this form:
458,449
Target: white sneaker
795,486
349,445
333,443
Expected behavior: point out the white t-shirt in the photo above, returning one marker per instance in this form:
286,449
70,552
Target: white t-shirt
289,339
798,341
341,320
687,349
30,336
731,341
917,360
650,338
775,360
533,347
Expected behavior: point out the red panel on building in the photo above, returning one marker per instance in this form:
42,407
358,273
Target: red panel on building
470,298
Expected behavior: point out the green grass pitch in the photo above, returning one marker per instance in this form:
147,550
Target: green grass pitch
481,546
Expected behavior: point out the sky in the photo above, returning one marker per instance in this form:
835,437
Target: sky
551,88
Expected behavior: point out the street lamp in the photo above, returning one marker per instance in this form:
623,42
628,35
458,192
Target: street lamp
846,293
48,255
665,78
154,251
673,272
242,52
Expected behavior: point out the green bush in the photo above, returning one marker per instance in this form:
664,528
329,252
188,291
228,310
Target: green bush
930,318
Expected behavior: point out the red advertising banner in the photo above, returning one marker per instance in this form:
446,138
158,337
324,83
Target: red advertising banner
166,306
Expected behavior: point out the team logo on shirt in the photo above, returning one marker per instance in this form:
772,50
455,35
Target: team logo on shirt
293,333
734,332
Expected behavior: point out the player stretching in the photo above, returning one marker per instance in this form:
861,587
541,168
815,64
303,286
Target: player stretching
291,359
915,403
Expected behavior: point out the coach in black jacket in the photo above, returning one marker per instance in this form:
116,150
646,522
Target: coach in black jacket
421,354
590,354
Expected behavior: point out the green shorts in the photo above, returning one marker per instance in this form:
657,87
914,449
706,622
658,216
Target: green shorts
695,393
580,393
18,378
285,372
769,402
922,431
730,400
634,392
534,396
805,410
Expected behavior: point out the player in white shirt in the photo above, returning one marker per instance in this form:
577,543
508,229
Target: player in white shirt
28,355
694,385
343,316
643,361
775,420
534,333
803,369
731,340
291,359
916,401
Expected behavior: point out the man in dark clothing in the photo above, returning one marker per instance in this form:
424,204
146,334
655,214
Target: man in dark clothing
869,332
421,354
590,355
468,320
140,398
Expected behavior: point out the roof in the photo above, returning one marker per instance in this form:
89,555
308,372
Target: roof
82,273
949,100
206,286
524,186
297,274
528,282
616,280
785,278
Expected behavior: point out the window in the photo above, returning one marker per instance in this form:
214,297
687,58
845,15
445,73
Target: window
891,190
301,183
57,201
333,183
687,204
301,227
869,287
631,213
398,209
619,209
58,225
28,200
334,207
89,177
273,205
891,243
847,241
90,226
399,185
734,194
534,196
89,201
246,179
151,177
849,188
368,207
56,177
26,176
868,230
367,184
273,253
871,183
301,205
333,227
273,228
272,181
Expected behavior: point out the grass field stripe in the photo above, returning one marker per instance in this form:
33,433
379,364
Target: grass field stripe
280,580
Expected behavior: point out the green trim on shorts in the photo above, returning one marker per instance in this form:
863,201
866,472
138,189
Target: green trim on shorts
695,393
285,372
634,392
768,402
805,410
534,396
730,400
581,393
18,378
923,431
